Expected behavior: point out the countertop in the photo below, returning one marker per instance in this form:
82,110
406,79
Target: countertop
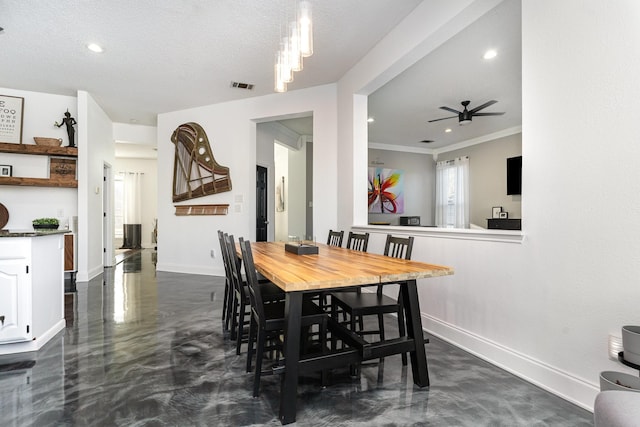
31,233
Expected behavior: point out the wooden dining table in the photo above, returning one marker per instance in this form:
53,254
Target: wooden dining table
334,268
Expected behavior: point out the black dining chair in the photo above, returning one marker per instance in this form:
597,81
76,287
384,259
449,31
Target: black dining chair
268,319
355,242
227,301
360,304
241,301
335,238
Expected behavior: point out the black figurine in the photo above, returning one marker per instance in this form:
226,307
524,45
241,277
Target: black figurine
71,132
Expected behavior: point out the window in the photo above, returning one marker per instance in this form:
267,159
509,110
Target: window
118,202
452,193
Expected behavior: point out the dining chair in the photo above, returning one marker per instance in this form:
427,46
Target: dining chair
227,301
241,301
268,319
335,238
360,304
356,242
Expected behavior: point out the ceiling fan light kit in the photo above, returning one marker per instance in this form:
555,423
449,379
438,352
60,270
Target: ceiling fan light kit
466,116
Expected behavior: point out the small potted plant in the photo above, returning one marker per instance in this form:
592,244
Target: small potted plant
45,223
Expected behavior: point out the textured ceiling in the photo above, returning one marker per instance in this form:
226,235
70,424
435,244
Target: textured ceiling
167,55
452,73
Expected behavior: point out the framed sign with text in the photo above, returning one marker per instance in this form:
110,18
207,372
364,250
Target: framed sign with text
11,109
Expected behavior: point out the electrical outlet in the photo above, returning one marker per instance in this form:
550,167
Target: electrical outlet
213,253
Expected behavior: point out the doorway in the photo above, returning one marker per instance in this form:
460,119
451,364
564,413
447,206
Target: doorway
284,152
261,203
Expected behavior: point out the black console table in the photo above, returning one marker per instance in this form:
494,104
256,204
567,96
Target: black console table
504,224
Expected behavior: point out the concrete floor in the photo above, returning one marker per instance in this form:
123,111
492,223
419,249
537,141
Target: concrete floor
147,349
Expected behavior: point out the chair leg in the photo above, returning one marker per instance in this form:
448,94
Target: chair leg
324,374
234,319
381,330
402,331
252,337
225,303
241,314
231,300
259,355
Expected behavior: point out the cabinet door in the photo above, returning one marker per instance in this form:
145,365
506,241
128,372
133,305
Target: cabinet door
15,311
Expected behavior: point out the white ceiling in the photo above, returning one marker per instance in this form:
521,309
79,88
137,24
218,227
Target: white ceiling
167,55
454,72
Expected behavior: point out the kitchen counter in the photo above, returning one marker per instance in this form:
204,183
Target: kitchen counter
31,233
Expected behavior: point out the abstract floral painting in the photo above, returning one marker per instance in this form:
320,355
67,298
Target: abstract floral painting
386,191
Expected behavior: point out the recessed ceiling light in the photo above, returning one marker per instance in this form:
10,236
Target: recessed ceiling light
447,130
93,47
490,54
371,120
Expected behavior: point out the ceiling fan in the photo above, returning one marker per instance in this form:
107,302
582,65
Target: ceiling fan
465,116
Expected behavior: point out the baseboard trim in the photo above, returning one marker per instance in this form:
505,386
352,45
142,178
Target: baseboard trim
564,385
181,268
36,343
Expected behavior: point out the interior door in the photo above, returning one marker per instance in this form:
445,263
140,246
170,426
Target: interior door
261,204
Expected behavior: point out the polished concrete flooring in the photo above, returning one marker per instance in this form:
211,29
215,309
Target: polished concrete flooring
147,349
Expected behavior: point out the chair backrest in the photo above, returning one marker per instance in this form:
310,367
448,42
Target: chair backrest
335,238
225,258
358,241
255,297
235,266
398,247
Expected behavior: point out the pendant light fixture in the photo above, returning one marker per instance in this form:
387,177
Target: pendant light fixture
306,28
296,44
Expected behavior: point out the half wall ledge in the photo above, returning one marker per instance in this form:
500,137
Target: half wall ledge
506,236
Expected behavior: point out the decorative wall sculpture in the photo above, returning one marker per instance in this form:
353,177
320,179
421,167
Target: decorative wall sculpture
195,171
386,191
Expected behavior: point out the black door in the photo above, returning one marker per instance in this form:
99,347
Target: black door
261,204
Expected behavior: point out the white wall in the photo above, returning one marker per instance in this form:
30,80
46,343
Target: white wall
297,192
281,161
95,148
419,184
148,194
187,241
488,177
542,307
24,204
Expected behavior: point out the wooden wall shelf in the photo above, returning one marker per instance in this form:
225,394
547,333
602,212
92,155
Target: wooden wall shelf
38,182
187,210
38,149
44,151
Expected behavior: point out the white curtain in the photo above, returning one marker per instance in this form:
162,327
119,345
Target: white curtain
132,205
452,193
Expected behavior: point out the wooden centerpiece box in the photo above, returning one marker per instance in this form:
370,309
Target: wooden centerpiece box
301,249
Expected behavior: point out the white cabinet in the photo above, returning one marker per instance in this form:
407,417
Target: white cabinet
31,289
15,304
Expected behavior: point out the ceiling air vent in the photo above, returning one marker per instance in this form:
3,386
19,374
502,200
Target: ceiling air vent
247,86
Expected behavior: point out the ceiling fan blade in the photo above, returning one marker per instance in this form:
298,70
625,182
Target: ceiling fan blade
487,114
444,118
427,141
485,105
451,110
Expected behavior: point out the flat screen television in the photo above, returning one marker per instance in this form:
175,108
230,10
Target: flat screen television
514,175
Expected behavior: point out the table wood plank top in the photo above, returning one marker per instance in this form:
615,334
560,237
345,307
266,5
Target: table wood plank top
335,267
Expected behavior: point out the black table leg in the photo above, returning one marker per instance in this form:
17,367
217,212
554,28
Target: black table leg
289,385
414,330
